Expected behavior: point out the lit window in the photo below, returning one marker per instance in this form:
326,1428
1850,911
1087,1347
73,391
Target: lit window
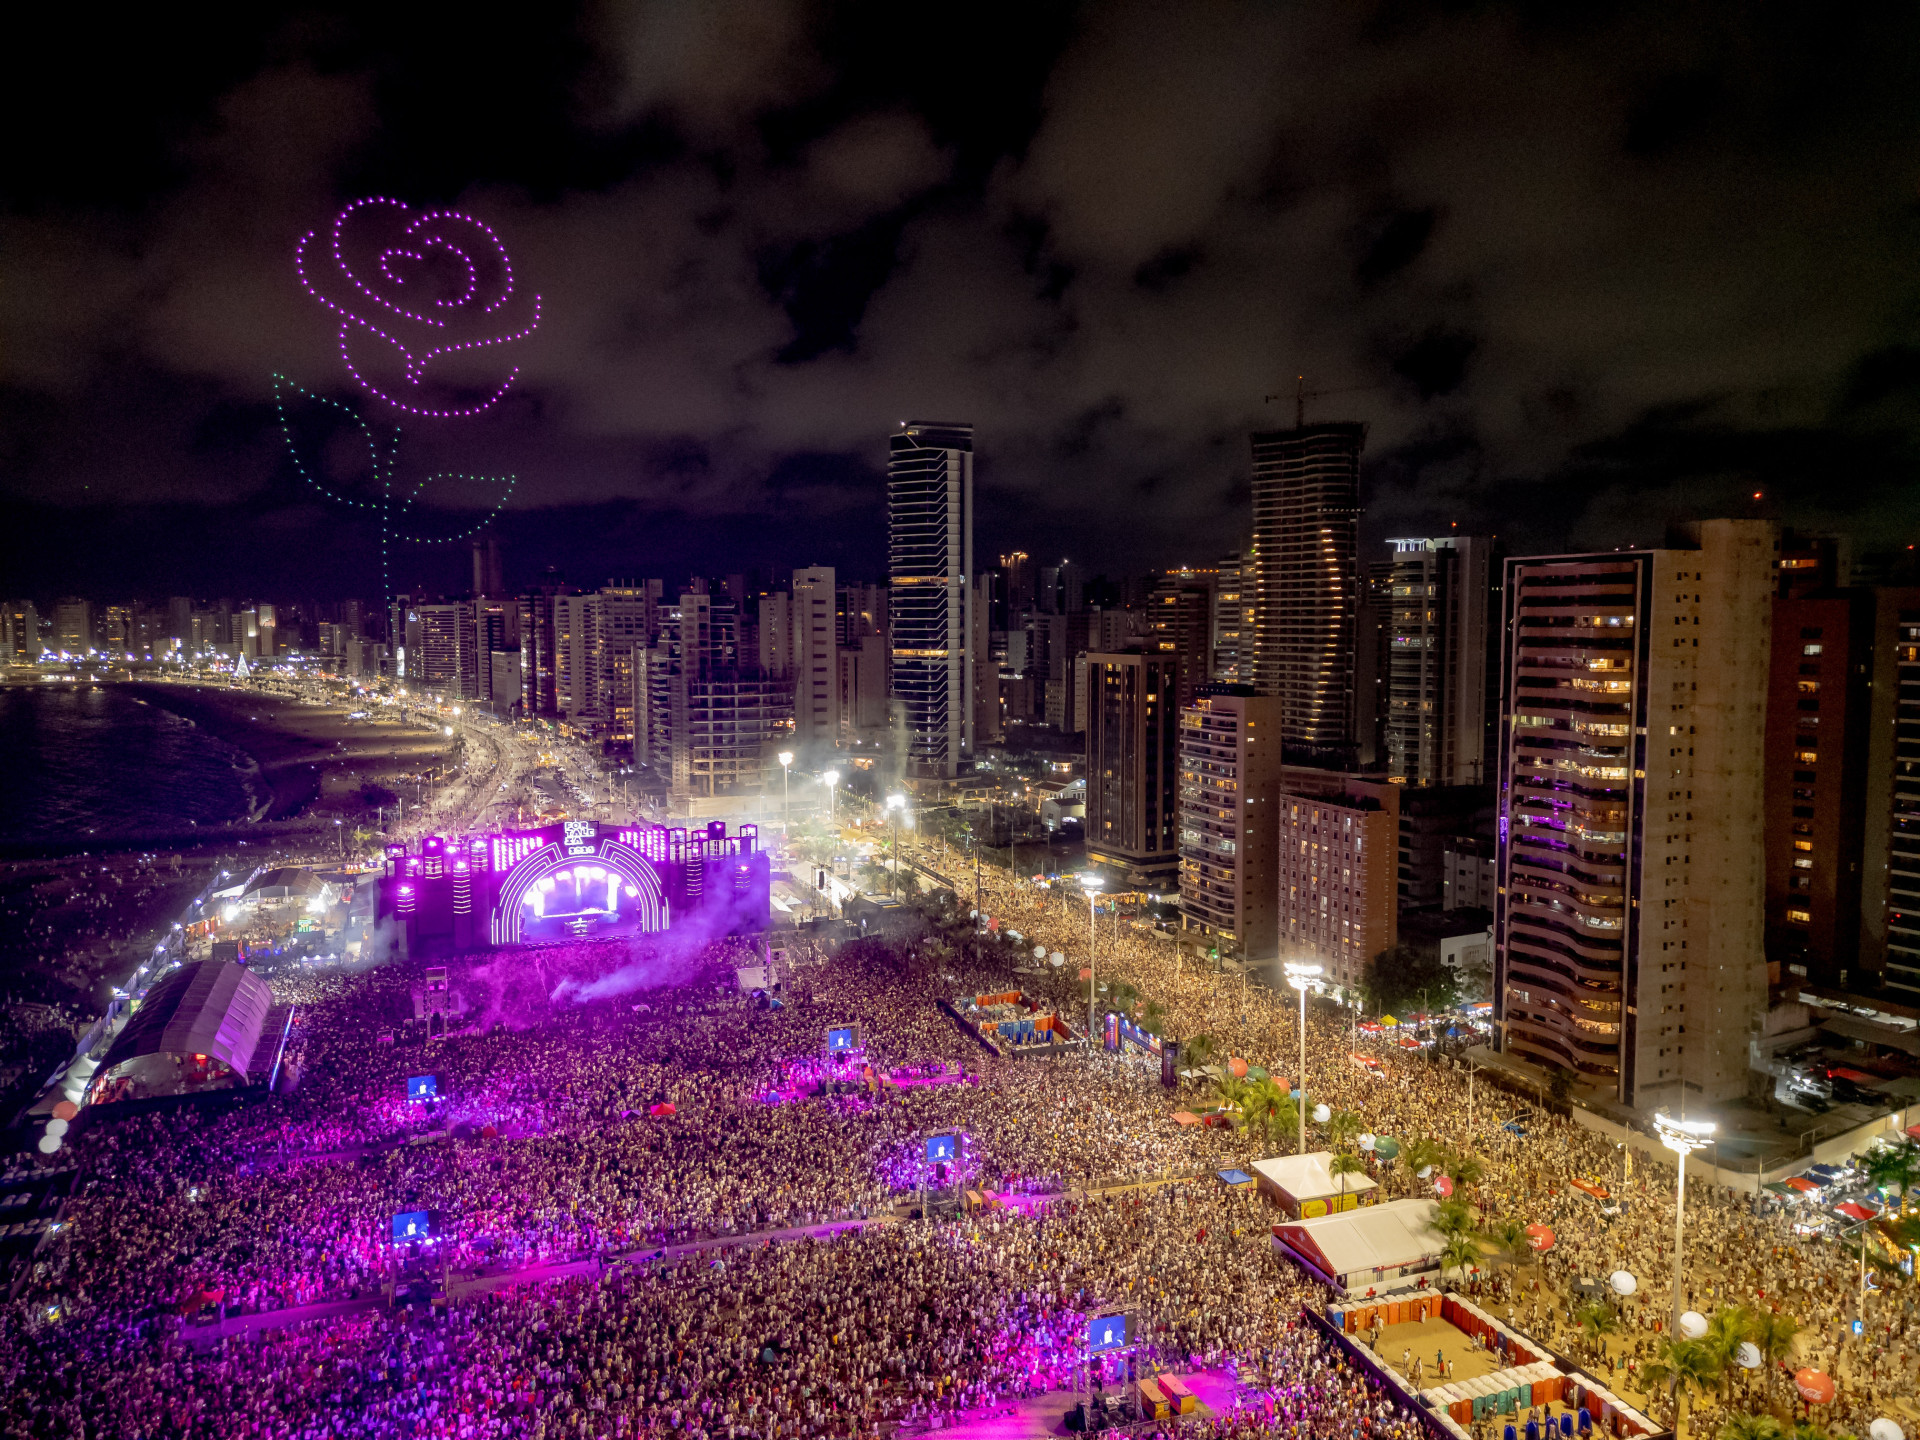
1803,844
1808,687
1812,649
1800,917
1806,757
1802,862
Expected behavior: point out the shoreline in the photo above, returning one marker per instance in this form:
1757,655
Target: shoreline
304,764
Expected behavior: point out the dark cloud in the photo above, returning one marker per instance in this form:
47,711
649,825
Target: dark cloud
1580,269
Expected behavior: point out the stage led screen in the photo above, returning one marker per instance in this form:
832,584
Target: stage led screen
411,1225
843,1040
1106,1332
423,1087
584,900
940,1149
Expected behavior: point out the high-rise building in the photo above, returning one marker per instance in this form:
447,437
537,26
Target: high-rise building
579,658
1180,622
72,625
540,644
719,721
1017,566
487,577
816,677
1440,690
624,613
1822,799
930,562
1230,779
1305,562
1338,860
1629,929
862,704
19,633
859,610
775,640
985,686
1232,623
1890,907
1133,767
441,649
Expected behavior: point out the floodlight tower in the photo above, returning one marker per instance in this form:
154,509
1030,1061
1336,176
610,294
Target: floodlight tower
1683,1137
1091,884
1299,976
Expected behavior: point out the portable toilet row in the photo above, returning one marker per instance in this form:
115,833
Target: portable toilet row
1502,1392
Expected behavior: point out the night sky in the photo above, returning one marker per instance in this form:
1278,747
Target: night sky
1581,268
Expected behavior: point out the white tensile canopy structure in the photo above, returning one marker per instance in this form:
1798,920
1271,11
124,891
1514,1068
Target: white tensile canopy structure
1359,1248
1305,1185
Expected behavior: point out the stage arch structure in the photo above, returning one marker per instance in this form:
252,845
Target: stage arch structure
587,885
579,879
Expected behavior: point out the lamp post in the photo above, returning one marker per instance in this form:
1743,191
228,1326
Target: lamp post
1682,1137
1091,884
785,757
832,777
895,804
1299,976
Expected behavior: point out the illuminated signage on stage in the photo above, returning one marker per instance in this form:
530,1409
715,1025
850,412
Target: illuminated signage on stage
1106,1332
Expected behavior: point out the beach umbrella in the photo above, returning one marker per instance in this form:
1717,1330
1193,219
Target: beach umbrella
1540,1238
1815,1386
1693,1324
1623,1282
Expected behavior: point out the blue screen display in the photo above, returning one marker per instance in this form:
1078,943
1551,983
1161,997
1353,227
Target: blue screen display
410,1225
1106,1332
423,1087
841,1040
940,1148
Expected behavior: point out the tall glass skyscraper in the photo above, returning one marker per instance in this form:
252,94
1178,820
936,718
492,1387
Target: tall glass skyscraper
930,558
1304,572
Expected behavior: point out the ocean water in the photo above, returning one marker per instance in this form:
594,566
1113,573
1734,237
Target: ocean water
89,759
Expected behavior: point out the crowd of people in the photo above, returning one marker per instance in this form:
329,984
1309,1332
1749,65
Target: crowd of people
631,1165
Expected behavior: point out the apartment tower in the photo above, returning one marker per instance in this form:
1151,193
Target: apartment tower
1304,572
1133,735
930,561
1629,923
1230,779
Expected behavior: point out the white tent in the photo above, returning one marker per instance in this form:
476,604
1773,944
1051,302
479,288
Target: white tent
1305,1185
1365,1247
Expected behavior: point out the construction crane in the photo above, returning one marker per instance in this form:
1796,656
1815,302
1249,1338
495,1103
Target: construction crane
1301,394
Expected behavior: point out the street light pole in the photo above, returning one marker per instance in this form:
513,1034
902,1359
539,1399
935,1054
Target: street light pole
1298,976
1682,1137
1092,886
786,758
895,804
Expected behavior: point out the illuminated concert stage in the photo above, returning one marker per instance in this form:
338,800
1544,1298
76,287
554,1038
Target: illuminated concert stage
579,880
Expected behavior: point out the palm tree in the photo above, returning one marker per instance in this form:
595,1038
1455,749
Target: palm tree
1420,1153
1597,1319
1343,1126
1685,1366
1750,1427
1264,1105
1199,1052
1467,1169
1773,1334
1511,1236
1458,1253
1453,1217
1343,1164
1895,1167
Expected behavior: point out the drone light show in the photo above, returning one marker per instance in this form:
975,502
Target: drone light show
428,307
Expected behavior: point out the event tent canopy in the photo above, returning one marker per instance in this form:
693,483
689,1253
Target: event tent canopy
213,1008
1310,1177
1363,1243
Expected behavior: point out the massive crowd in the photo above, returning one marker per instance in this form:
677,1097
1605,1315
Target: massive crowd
612,1123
